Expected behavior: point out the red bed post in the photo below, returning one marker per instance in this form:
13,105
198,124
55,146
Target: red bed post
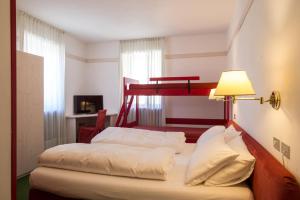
125,101
137,114
227,108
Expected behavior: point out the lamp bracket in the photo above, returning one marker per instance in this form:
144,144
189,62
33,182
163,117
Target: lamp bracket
275,100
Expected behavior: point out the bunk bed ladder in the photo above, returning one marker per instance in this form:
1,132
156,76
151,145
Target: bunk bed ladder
120,116
123,114
127,110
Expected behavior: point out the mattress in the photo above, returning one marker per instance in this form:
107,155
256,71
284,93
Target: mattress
173,86
82,185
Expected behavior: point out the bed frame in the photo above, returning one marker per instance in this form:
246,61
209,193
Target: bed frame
165,86
269,181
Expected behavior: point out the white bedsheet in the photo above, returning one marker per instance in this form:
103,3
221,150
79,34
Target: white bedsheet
94,186
141,137
111,159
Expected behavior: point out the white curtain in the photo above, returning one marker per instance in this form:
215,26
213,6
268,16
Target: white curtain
39,38
140,60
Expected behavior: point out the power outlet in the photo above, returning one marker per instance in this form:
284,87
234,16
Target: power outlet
285,150
276,143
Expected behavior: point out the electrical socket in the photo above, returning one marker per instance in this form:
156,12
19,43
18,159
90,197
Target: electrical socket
285,150
276,143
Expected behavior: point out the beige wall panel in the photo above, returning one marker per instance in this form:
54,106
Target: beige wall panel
5,112
30,109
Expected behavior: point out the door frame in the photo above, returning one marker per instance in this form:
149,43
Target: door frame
13,57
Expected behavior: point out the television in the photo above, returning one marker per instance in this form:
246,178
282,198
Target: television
87,104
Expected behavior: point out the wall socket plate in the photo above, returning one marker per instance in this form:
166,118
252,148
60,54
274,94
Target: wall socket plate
276,143
285,150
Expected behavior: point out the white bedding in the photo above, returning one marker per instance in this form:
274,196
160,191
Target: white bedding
95,186
141,137
111,159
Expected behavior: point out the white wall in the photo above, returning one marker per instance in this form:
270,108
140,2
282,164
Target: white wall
102,73
75,70
5,112
195,55
202,55
92,69
267,47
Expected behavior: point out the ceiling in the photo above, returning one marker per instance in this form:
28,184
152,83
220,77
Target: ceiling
99,20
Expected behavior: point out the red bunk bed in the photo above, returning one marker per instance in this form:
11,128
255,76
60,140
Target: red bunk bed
165,86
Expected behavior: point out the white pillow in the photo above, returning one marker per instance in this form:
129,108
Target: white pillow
231,133
236,172
209,156
211,132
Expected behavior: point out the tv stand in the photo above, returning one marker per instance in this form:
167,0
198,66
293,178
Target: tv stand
74,121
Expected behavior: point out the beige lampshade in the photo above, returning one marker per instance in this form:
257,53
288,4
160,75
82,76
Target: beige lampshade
234,83
212,95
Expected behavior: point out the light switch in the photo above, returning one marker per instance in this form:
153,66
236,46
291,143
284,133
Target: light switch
285,150
276,143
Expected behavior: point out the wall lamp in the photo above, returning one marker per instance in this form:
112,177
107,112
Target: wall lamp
236,83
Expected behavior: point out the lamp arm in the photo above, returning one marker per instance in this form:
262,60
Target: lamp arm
249,98
274,100
260,99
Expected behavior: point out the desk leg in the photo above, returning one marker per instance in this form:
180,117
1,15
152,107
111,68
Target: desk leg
112,120
71,130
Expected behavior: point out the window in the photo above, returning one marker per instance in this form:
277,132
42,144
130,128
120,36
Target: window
141,60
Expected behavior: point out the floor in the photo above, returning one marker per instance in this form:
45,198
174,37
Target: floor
23,188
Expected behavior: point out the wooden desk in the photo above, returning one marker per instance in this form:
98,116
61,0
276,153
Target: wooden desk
73,123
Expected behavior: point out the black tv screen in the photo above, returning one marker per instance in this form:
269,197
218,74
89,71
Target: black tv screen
88,104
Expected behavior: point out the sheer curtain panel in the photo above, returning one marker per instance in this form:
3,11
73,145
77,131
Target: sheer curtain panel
140,60
38,38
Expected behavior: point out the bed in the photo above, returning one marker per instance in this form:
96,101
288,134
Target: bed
96,186
270,180
165,86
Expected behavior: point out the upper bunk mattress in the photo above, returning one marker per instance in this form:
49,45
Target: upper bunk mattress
82,185
173,86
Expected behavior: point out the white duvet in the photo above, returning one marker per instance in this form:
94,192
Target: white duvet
141,137
111,159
